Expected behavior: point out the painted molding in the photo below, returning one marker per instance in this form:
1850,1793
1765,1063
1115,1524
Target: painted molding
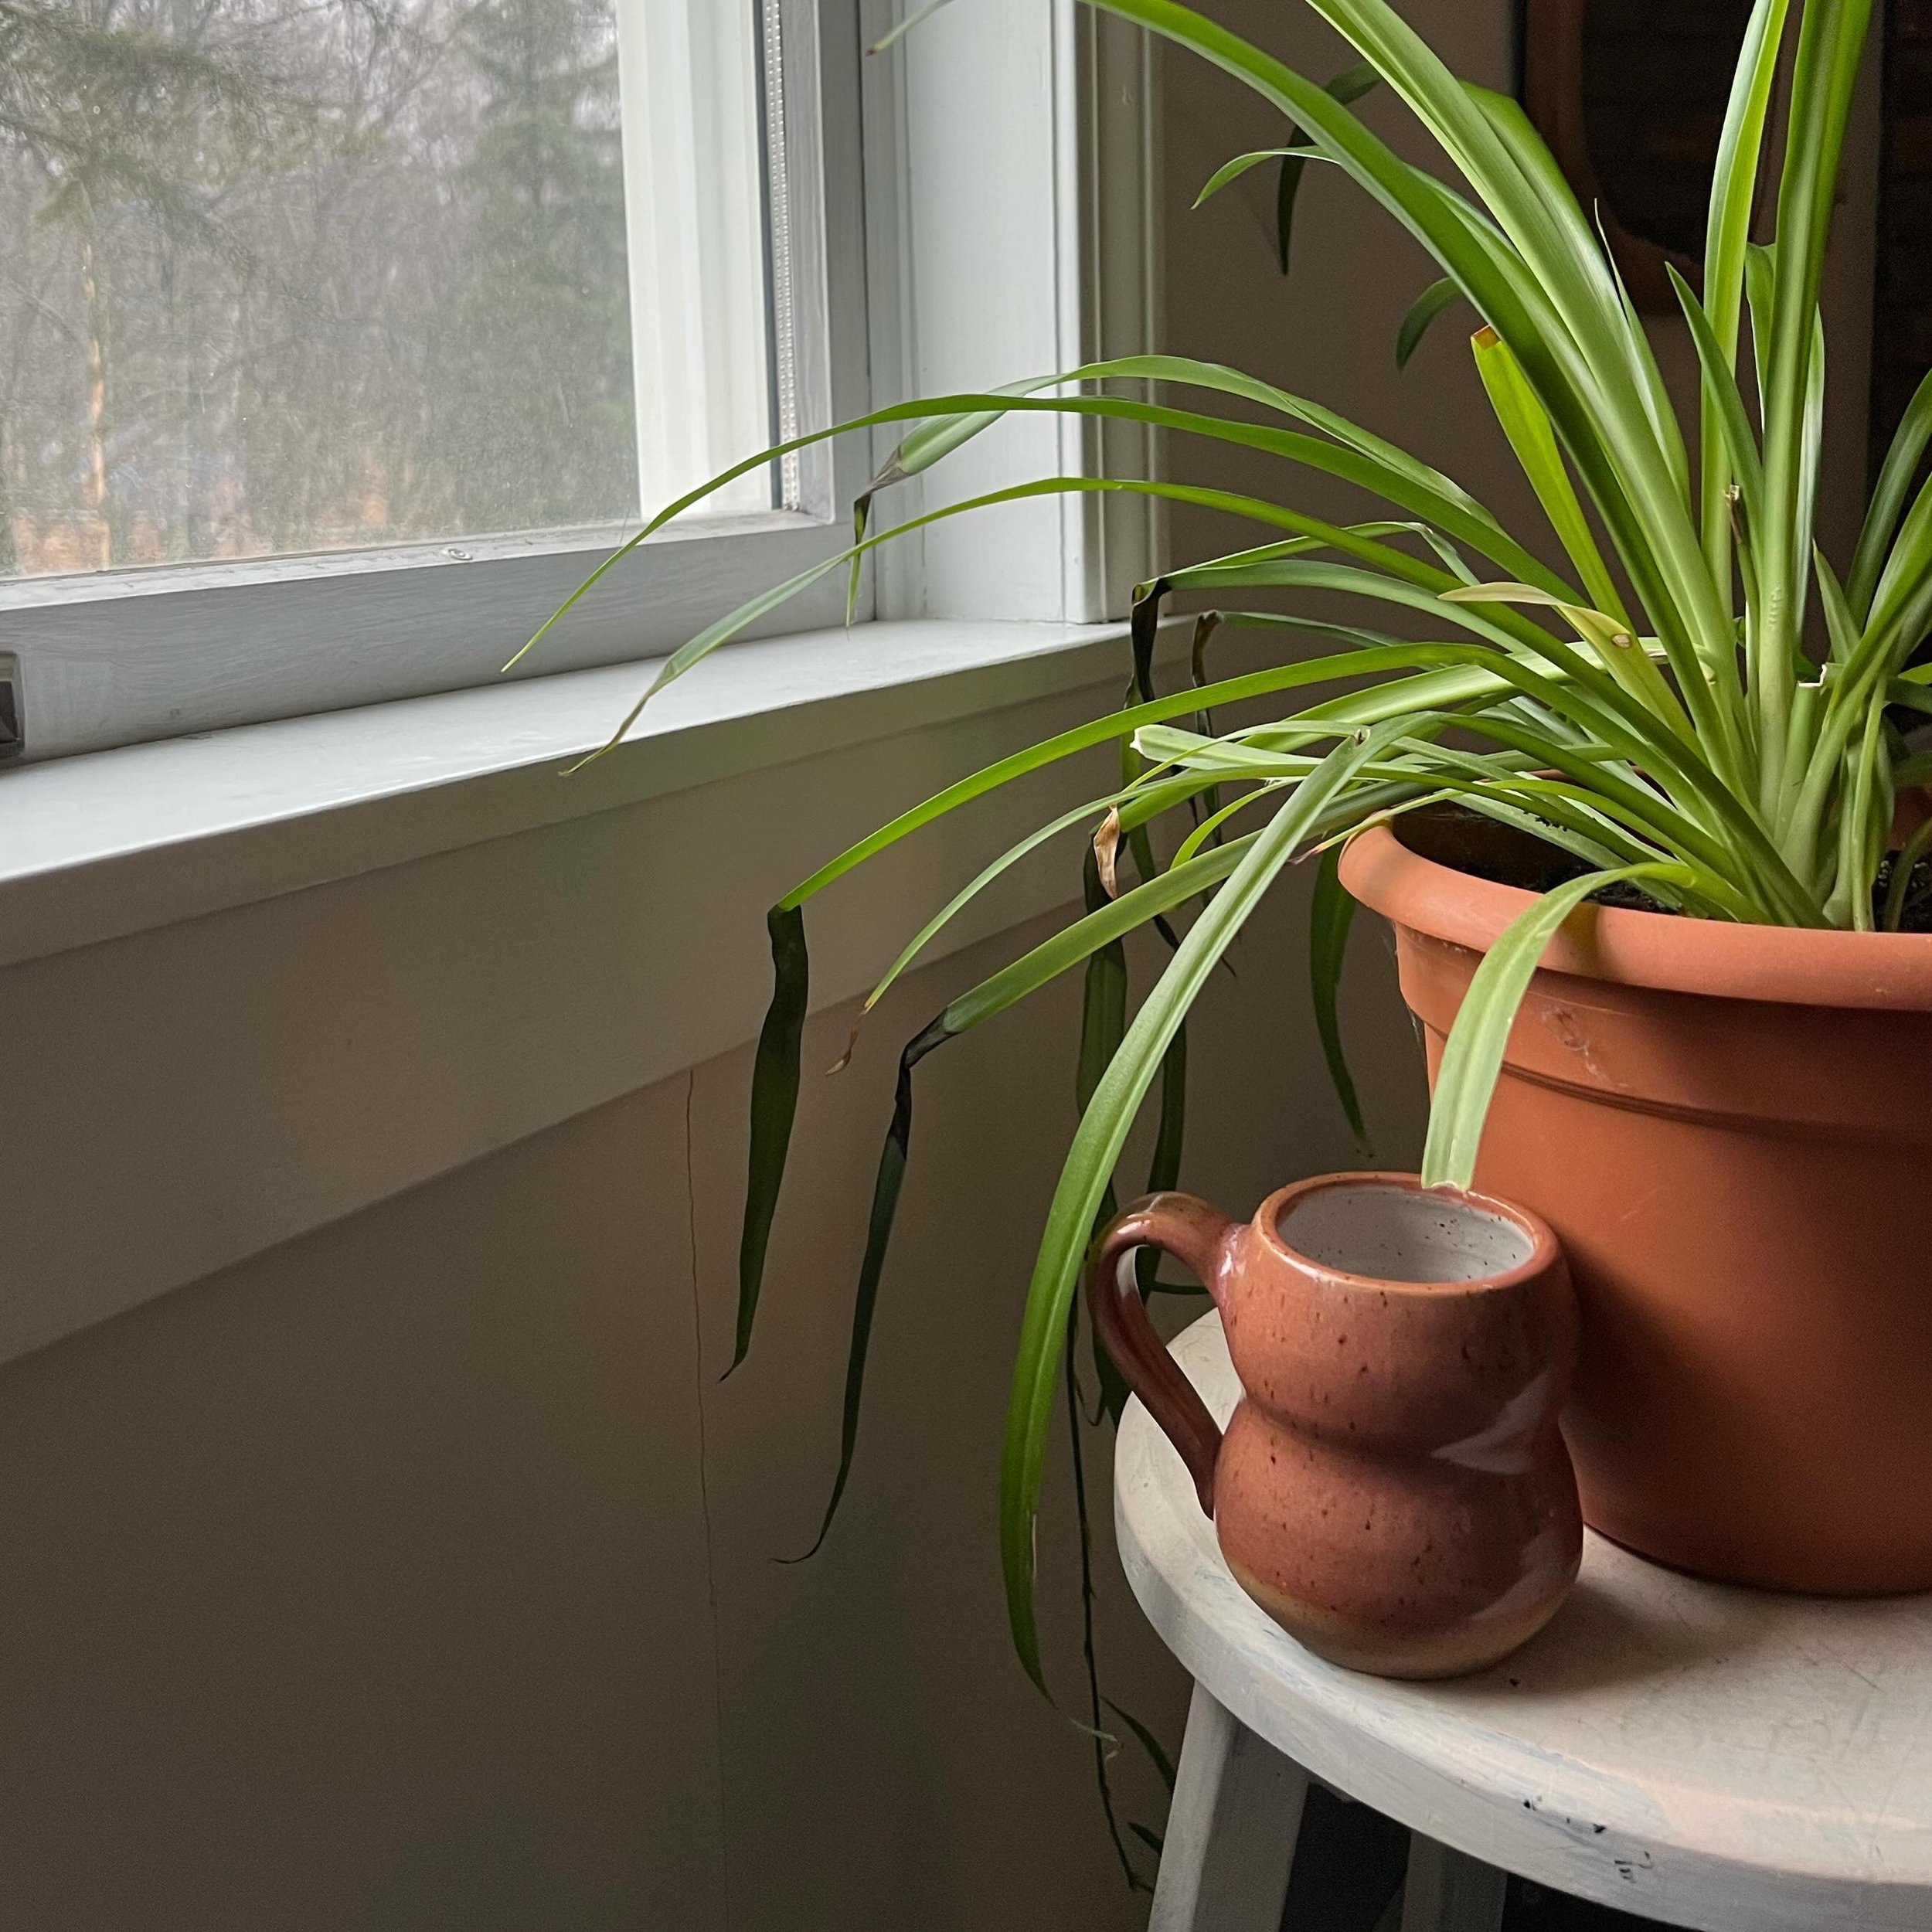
367,996
1049,115
119,841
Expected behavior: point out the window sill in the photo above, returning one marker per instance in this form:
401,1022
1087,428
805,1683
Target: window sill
273,975
110,843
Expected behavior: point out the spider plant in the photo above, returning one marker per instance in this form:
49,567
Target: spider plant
1651,708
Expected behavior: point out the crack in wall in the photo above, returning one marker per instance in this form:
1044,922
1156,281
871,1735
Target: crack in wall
704,1489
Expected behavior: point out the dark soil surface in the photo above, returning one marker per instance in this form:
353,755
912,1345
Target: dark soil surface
1918,894
1455,836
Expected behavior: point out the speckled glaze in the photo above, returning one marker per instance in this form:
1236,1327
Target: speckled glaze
1393,1489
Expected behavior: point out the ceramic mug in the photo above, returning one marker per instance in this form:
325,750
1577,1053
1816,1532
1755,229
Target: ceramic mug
1392,1488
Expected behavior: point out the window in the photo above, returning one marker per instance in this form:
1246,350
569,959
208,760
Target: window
338,339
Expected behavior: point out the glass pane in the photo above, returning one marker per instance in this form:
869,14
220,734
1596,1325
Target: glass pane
291,275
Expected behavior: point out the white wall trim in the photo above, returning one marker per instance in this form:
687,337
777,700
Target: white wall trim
695,221
1118,188
119,841
1044,118
311,1007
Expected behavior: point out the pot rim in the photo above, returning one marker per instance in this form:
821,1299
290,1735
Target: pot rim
1787,965
1545,1251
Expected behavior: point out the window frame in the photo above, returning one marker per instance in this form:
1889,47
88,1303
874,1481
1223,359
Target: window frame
1001,213
120,657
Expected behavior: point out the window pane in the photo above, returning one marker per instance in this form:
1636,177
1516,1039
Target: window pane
291,275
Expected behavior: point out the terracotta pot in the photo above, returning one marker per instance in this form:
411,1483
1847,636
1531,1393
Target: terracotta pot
1728,1128
1392,1488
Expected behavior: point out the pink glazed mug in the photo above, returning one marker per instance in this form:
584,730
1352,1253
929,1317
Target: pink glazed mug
1392,1488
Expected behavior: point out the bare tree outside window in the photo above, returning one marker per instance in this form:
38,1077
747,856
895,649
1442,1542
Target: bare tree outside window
280,276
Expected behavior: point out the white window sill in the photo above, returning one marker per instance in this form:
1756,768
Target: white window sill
115,842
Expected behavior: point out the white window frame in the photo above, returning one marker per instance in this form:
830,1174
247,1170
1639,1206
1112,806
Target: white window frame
1014,176
997,218
117,657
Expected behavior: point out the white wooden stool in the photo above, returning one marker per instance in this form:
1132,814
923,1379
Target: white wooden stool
1715,1757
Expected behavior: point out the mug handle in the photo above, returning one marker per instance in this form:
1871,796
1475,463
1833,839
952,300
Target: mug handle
1196,1235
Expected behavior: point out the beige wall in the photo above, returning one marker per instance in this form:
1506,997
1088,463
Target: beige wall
420,1572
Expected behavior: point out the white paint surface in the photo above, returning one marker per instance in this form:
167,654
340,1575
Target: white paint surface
1710,1757
119,842
695,217
1229,1843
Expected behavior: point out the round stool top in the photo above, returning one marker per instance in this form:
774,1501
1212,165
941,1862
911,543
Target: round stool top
1709,1755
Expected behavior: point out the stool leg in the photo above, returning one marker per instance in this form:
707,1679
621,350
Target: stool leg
1447,1891
1230,1830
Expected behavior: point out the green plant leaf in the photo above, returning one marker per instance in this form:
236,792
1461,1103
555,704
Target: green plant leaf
1353,82
1350,85
1901,466
1892,627
1349,452
1164,1163
1214,827
1157,1754
1367,550
1470,670
941,424
1103,1022
878,1229
1423,311
1100,929
774,1103
1526,424
1101,1741
1621,655
1287,188
1331,915
912,20
1832,36
1590,257
1591,699
1164,1168
1864,818
1472,1055
1727,239
1811,463
934,439
1103,998
1096,1145
1725,405
1842,627
1899,890
1208,803
1150,800
1231,171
